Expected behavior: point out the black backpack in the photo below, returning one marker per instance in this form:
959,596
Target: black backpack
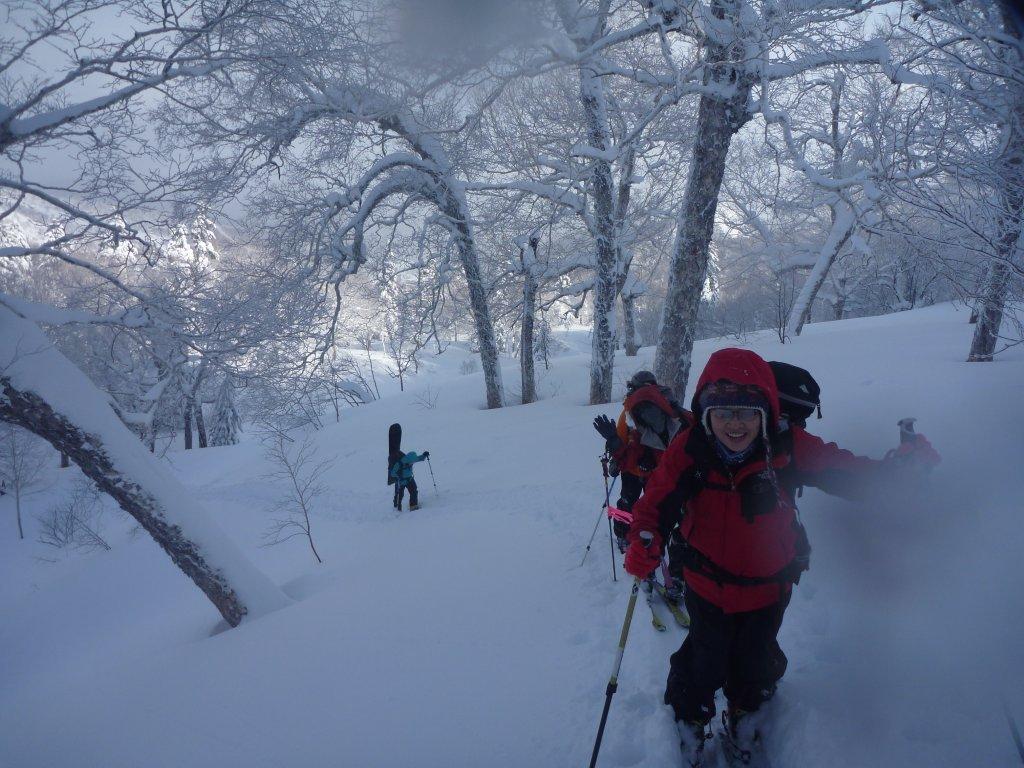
799,393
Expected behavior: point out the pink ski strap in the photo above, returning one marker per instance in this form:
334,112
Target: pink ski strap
620,514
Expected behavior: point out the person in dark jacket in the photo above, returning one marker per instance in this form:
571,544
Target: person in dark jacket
728,483
401,473
650,418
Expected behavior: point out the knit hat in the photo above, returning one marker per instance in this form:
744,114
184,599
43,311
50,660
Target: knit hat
728,394
640,379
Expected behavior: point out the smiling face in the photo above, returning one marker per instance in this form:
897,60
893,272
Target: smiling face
735,428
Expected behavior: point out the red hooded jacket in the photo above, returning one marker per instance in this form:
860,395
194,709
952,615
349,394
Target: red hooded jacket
742,519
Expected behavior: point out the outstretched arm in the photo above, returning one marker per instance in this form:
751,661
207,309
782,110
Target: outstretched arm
842,473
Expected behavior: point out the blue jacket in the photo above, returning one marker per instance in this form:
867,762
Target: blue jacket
401,470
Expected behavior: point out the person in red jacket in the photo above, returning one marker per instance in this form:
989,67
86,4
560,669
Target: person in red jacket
728,481
650,418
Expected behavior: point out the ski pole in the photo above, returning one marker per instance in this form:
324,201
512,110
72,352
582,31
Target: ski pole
613,681
907,434
597,524
607,496
611,543
432,476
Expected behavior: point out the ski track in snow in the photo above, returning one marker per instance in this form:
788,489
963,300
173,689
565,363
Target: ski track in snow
464,634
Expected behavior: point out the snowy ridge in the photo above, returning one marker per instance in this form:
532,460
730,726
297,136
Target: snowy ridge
464,635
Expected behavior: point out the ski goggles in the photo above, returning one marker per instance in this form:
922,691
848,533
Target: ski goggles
725,415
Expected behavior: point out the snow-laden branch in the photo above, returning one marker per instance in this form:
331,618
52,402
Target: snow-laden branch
347,258
46,314
76,212
559,196
13,131
395,160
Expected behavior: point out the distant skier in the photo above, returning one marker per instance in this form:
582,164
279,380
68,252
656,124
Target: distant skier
728,482
401,474
650,418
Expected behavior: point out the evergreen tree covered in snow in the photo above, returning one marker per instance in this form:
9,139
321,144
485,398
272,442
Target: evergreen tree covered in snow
226,423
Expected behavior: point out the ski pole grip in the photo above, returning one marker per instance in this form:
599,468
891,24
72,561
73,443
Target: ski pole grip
907,434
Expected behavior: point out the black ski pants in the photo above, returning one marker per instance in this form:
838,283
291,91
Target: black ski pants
630,488
734,651
414,498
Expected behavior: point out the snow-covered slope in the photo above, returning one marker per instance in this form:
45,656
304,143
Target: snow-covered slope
464,634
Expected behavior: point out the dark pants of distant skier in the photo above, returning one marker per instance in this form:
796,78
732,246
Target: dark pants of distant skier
734,651
414,494
629,491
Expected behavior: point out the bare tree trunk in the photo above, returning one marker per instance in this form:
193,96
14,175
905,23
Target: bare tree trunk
17,511
65,462
840,232
481,319
452,202
195,404
623,263
1011,198
529,380
839,308
585,26
187,422
602,362
843,221
720,117
990,317
629,324
16,484
313,546
28,410
200,424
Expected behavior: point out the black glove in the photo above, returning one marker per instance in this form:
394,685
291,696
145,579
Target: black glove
426,454
613,468
647,462
605,427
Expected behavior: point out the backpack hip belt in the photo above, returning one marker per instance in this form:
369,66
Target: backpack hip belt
699,563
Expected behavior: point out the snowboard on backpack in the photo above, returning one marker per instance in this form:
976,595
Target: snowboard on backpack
394,448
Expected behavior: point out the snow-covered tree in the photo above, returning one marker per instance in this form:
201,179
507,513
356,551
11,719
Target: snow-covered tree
583,147
972,53
383,136
46,111
22,459
747,48
226,423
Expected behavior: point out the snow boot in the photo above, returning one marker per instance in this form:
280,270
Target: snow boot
674,591
413,507
691,742
741,741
